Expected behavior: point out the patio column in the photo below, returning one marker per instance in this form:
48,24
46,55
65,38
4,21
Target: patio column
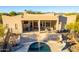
50,24
29,25
39,25
57,24
32,25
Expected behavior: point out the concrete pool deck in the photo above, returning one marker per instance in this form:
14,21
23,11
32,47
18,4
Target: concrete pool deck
54,46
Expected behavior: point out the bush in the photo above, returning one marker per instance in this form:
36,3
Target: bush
1,34
1,30
73,26
12,13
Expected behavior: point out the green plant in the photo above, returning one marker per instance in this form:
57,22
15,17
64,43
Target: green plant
12,13
70,26
73,26
1,30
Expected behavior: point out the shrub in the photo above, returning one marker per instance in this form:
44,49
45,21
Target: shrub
73,26
12,13
1,30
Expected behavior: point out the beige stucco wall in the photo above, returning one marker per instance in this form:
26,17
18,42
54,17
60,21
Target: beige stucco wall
39,17
12,20
71,19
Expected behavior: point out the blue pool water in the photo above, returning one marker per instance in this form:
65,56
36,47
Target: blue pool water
39,47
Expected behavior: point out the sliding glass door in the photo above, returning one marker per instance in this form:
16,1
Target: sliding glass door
29,26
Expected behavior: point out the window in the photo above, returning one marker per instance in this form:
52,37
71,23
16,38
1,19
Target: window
25,22
16,26
47,23
6,25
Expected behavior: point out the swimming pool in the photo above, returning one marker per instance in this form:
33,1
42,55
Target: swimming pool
39,47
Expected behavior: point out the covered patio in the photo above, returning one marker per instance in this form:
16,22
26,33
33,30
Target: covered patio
38,25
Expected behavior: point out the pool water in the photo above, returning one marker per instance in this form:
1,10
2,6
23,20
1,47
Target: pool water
39,47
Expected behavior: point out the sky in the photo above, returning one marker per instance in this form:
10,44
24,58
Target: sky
59,9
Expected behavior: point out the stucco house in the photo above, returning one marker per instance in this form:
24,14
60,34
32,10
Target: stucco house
36,22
